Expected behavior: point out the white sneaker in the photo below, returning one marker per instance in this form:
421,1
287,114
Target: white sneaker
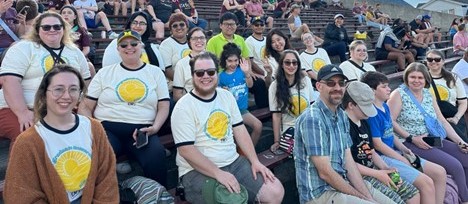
113,35
123,167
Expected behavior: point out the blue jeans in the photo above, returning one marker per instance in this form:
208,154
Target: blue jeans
361,18
202,23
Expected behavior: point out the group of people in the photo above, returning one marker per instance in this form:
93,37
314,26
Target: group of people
343,128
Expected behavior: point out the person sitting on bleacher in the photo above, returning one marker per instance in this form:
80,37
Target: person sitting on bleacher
373,21
161,10
175,47
296,27
25,64
318,4
140,23
90,19
64,157
431,30
336,38
357,12
289,95
276,43
460,69
416,30
182,84
356,66
281,9
256,43
392,45
206,139
15,22
460,40
313,58
187,7
128,98
78,34
254,9
235,8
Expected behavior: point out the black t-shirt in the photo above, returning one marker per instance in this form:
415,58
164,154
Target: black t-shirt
163,9
362,143
414,25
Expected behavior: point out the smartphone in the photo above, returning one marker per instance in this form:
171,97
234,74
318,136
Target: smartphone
142,139
24,10
433,141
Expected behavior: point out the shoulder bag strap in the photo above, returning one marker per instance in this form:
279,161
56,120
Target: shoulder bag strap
434,87
416,102
8,30
57,57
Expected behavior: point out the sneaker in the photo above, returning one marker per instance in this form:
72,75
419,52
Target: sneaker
433,46
113,35
123,167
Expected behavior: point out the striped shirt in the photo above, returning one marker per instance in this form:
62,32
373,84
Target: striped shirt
319,132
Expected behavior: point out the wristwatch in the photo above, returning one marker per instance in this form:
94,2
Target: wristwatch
409,138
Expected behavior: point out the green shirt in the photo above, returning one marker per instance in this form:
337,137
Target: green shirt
216,43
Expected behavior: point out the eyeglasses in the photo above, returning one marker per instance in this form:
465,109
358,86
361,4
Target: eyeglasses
139,23
331,83
288,63
308,38
180,25
438,59
201,38
48,27
59,91
125,44
360,50
232,25
201,72
259,24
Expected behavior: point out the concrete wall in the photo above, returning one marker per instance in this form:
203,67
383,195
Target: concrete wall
442,20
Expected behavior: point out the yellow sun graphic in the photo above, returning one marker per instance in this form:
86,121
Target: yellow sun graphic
48,63
318,63
144,58
262,52
185,52
443,92
217,125
131,90
73,168
296,100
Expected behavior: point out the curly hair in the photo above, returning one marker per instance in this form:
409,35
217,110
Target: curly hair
33,35
269,51
283,92
230,49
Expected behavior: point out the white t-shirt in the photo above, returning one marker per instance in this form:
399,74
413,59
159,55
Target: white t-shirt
207,124
449,94
31,61
314,61
86,3
111,55
128,96
172,51
351,70
70,153
461,70
257,50
183,75
274,65
301,99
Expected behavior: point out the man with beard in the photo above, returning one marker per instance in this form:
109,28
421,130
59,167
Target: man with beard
205,123
325,169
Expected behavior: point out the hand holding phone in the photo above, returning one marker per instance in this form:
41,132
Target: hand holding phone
24,10
433,141
141,139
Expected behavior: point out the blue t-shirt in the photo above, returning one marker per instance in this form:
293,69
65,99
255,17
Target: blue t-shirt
235,83
381,126
388,40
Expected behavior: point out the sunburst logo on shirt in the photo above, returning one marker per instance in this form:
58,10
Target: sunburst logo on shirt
299,104
73,167
132,90
217,125
317,64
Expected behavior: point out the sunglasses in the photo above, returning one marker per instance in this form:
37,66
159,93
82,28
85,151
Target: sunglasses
125,44
288,63
331,83
201,72
48,27
259,24
433,59
180,25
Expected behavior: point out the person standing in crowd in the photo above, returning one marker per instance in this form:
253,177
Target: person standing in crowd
409,124
289,94
358,103
140,23
336,38
128,98
313,58
187,7
68,157
175,47
450,89
356,66
431,180
49,43
325,169
196,40
206,149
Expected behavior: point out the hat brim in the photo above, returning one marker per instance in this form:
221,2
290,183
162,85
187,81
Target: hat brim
369,110
128,36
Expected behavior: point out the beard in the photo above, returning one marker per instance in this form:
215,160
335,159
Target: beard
205,91
335,99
